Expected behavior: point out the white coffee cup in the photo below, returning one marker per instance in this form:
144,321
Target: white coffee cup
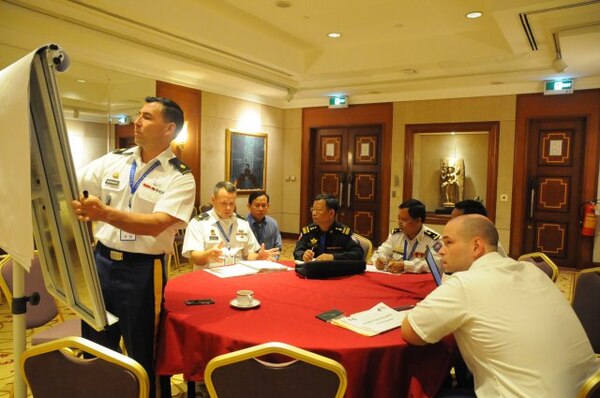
244,297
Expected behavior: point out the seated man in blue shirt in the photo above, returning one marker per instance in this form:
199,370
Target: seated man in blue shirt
265,228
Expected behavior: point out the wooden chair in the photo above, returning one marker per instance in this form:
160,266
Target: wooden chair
242,374
56,369
586,303
366,245
543,262
591,387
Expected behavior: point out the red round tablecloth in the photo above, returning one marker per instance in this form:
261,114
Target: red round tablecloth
378,366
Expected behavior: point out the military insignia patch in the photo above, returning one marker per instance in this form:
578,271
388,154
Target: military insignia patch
110,181
432,234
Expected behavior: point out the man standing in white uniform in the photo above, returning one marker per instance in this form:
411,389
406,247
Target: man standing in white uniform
140,197
516,331
221,237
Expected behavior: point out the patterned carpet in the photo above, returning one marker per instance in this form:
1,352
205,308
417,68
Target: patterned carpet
564,282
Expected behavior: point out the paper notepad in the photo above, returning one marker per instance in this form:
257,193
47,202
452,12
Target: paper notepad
376,320
246,268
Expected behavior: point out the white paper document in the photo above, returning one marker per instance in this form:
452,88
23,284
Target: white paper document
246,268
376,320
264,265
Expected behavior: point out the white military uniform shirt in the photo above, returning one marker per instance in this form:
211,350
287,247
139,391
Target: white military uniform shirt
397,244
203,233
168,188
514,328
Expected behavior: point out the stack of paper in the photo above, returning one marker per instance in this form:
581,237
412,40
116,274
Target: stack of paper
378,319
263,265
246,268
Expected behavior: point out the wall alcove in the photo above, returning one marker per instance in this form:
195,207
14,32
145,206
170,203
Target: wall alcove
427,144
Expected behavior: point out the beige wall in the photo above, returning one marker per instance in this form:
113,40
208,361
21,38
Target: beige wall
292,142
284,148
89,140
220,113
500,108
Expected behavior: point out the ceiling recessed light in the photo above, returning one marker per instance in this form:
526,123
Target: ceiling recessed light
81,81
474,14
334,35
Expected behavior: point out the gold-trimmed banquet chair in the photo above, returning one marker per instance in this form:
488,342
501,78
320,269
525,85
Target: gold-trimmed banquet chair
242,374
45,311
543,262
591,387
586,303
57,369
366,245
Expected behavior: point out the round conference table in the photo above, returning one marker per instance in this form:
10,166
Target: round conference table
380,366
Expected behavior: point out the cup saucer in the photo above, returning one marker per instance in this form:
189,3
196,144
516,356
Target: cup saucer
255,303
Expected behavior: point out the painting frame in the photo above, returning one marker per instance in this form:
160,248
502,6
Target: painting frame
246,160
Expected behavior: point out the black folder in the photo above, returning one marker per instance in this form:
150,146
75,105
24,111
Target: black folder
330,269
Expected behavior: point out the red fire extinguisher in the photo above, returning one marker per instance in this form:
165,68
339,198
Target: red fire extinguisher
588,222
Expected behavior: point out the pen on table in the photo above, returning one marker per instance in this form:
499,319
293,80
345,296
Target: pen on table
404,307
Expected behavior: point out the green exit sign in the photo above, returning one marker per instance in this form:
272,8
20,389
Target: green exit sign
555,87
338,102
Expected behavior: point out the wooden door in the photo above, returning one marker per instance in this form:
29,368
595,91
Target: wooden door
347,164
555,169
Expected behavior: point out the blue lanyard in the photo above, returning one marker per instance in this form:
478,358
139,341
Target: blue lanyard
227,237
404,256
135,186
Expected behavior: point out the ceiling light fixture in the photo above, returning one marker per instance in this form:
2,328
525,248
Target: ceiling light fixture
474,15
334,35
81,81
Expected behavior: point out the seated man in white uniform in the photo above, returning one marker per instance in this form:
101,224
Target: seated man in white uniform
404,249
221,237
516,331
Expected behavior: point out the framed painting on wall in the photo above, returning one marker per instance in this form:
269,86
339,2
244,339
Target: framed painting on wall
246,157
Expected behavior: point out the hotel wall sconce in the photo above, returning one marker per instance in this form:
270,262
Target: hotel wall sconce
181,138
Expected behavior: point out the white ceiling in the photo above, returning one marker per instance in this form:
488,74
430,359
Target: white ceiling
391,50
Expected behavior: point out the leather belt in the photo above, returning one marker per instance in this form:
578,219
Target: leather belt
117,255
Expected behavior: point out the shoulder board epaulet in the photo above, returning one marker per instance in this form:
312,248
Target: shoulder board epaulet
202,216
120,151
240,217
179,165
309,228
343,229
432,234
396,231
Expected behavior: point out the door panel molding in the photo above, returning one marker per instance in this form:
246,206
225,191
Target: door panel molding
354,115
583,104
